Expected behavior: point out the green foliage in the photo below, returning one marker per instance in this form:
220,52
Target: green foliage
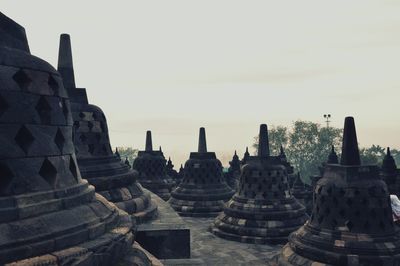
372,155
127,152
307,144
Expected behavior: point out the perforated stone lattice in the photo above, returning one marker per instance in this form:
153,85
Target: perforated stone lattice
346,207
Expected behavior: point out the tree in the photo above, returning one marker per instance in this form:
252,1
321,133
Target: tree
372,155
277,136
127,152
310,145
307,144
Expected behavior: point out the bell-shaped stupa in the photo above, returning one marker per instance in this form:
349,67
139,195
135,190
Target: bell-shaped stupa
303,192
49,215
390,173
351,221
203,190
151,165
112,178
233,174
263,209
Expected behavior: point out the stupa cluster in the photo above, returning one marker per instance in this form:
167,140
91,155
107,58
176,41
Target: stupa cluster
67,199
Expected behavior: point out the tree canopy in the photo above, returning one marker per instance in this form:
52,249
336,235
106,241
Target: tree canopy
308,144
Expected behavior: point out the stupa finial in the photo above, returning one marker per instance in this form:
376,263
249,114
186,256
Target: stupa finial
202,141
263,142
65,62
149,143
350,152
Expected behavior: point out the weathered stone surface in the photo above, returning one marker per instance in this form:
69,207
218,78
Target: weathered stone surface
49,214
203,190
263,210
351,221
151,166
112,178
167,236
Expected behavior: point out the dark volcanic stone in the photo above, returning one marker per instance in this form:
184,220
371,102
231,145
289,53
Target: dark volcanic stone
303,193
151,166
351,221
112,178
263,209
203,190
233,175
390,174
49,215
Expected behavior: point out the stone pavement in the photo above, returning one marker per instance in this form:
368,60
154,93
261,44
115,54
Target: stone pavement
217,251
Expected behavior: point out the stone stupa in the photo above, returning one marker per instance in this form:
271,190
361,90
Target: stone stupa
151,165
233,174
303,192
351,221
112,178
203,190
390,173
263,209
49,215
332,159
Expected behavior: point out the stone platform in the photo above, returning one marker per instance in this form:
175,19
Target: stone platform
167,236
207,249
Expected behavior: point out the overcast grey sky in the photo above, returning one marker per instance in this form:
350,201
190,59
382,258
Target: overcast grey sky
173,66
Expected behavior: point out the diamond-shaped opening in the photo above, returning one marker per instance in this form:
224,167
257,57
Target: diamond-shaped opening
81,115
59,140
22,79
49,173
349,225
91,148
3,105
6,177
72,167
24,139
76,124
44,110
53,84
90,126
83,138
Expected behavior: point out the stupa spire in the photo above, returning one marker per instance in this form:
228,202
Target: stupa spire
350,152
263,142
65,62
202,141
149,142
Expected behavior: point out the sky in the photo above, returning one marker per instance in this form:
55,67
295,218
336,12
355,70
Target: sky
226,65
